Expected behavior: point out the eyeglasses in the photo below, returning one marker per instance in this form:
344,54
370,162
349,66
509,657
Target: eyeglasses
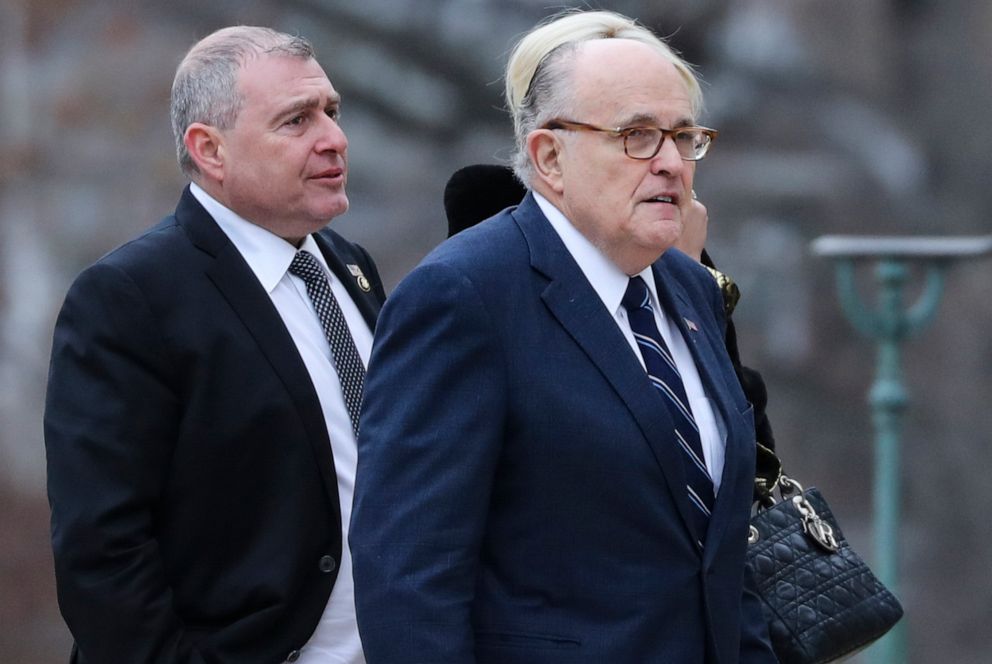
692,143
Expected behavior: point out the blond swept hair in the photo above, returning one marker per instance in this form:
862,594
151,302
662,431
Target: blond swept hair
538,82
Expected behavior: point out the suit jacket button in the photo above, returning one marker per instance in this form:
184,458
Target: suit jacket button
293,656
327,564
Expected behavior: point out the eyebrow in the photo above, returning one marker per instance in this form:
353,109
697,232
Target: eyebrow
648,120
307,104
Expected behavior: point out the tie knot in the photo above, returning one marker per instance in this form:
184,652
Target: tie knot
305,266
636,296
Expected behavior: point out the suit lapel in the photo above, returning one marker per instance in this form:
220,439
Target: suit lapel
364,300
577,307
676,304
237,283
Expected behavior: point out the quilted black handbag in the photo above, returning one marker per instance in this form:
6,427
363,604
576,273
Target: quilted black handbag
820,599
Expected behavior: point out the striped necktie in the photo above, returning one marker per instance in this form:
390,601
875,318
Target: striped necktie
344,355
664,376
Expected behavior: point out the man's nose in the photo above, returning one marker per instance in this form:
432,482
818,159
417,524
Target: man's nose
668,160
332,138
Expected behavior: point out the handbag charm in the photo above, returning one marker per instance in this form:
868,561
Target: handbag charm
816,528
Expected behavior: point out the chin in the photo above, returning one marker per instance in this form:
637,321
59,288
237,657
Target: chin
663,233
331,209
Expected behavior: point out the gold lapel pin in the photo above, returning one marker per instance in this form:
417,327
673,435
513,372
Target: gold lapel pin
363,283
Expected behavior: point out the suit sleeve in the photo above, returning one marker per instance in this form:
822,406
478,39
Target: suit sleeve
431,430
755,644
110,424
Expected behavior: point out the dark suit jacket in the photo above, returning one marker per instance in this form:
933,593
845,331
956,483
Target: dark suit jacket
195,511
519,496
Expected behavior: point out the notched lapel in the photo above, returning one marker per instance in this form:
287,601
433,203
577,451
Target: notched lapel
678,306
232,276
675,301
361,293
574,303
253,306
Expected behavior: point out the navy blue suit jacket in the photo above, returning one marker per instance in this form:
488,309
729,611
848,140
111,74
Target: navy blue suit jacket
519,495
195,512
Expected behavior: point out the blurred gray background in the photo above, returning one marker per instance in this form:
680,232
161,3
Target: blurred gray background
836,116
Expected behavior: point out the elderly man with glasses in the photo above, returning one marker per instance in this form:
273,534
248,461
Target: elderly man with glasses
556,458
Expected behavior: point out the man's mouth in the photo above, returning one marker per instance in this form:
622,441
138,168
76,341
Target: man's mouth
661,199
329,174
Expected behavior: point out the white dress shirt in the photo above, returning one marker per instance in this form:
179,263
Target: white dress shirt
336,640
610,283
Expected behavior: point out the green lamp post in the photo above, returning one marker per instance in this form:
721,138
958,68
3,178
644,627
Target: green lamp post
890,323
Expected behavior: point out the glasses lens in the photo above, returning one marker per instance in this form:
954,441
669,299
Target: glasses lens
691,143
642,142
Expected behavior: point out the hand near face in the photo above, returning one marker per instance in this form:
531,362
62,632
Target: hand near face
693,238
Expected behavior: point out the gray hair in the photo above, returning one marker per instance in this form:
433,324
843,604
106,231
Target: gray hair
539,77
549,96
205,88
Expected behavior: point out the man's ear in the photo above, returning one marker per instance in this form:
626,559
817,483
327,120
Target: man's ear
206,148
544,151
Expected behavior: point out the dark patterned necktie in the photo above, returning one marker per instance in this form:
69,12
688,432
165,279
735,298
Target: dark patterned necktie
664,376
344,355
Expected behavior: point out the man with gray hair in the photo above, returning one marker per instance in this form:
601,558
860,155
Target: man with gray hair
556,459
205,383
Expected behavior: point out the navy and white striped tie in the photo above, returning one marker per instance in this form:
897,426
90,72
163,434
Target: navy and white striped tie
664,376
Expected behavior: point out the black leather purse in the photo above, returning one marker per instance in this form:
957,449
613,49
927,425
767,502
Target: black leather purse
820,599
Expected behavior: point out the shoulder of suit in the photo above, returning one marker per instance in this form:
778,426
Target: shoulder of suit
345,249
684,266
694,277
495,241
160,242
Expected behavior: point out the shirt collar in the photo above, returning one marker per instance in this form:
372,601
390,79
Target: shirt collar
608,280
267,254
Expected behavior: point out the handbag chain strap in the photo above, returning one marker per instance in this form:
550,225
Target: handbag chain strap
816,528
